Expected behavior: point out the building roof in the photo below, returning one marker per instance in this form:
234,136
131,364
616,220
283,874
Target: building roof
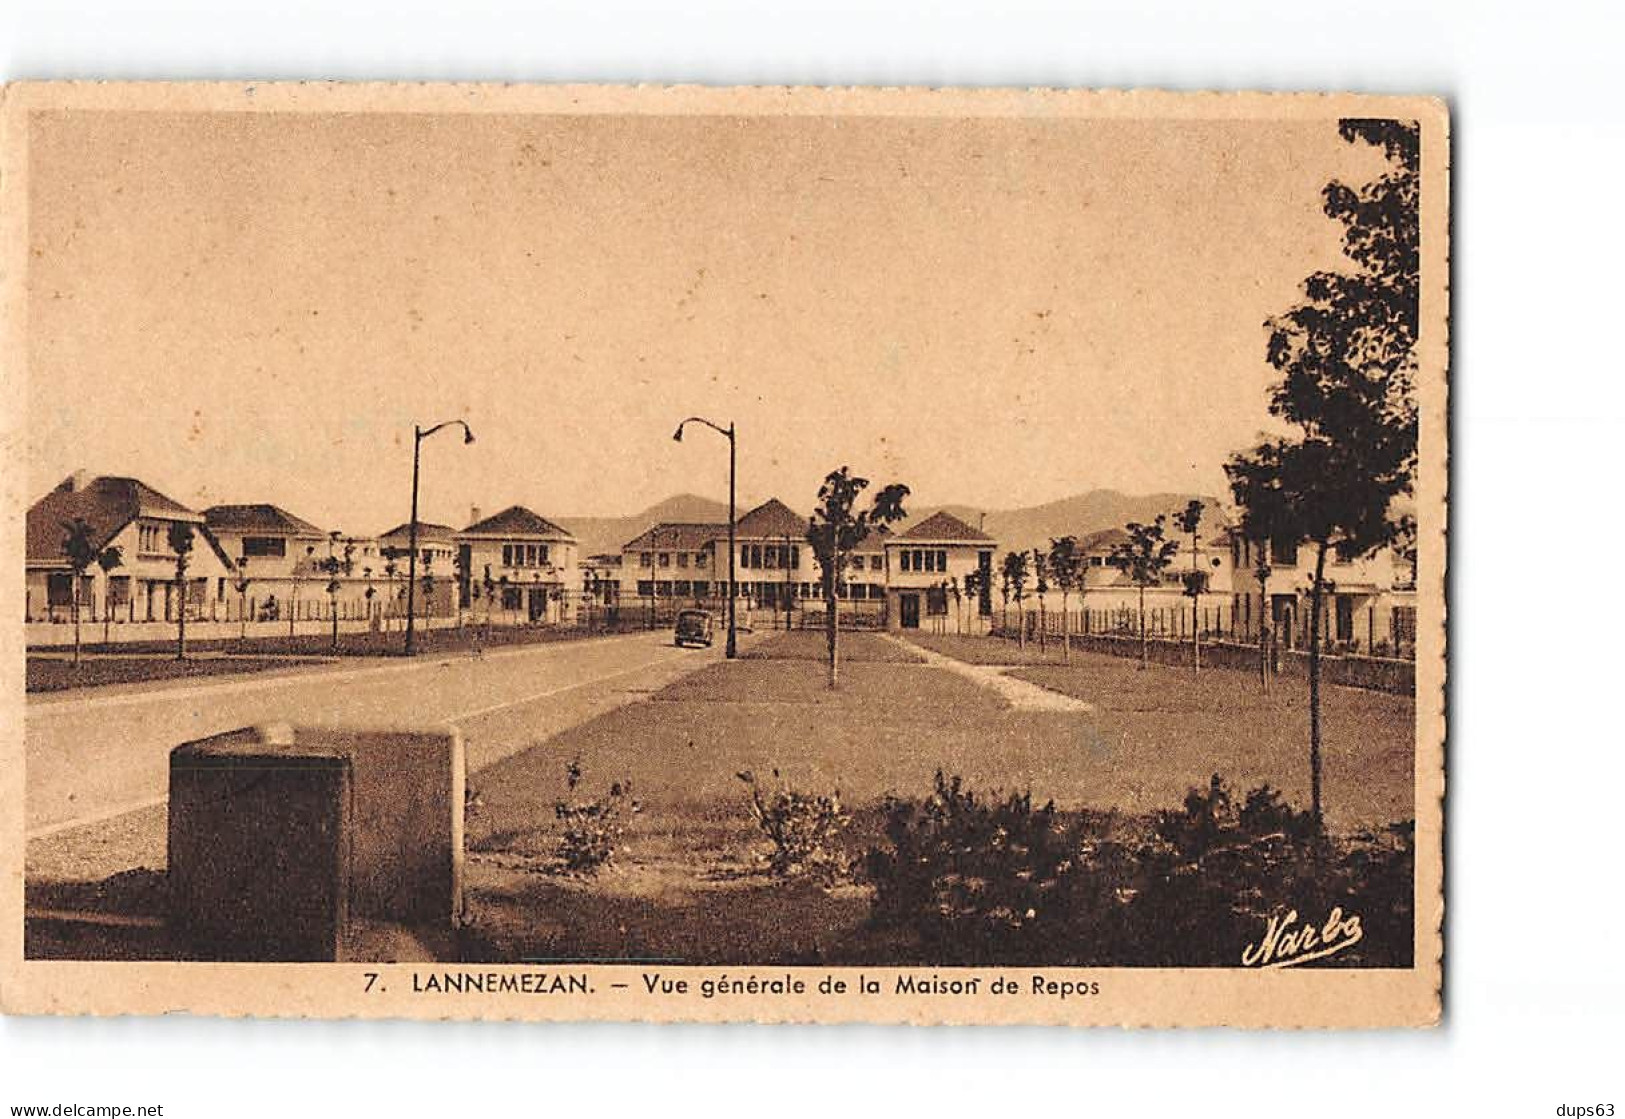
427,530
772,519
107,503
682,536
1103,541
943,527
516,520
259,518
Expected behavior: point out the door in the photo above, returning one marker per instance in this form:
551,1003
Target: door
1345,617
909,605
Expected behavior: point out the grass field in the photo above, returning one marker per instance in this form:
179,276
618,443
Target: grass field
141,661
689,884
359,644
57,674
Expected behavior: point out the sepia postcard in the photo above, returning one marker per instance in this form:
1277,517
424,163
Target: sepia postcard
706,554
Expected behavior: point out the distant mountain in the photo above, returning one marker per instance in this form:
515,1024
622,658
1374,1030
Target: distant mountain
607,534
1036,525
1030,527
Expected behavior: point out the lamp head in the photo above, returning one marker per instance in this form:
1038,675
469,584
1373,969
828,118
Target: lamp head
677,436
468,436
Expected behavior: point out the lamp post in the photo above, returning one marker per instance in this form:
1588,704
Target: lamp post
733,546
418,436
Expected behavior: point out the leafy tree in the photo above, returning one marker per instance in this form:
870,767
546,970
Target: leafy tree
1014,572
240,582
1041,578
1143,557
973,592
1066,570
79,544
1189,520
333,565
180,542
109,559
1347,364
392,568
835,529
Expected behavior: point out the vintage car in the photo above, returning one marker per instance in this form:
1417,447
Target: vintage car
694,627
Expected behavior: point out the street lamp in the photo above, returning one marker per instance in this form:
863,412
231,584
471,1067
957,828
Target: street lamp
733,547
418,436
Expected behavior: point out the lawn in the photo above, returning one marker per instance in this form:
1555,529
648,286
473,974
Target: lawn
57,674
689,883
142,661
359,644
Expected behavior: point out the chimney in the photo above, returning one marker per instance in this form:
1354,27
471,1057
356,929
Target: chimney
474,517
77,482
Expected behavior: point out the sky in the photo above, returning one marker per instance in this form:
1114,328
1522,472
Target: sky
996,312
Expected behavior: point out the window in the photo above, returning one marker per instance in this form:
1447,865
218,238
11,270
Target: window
645,588
682,559
646,559
530,555
701,588
877,563
744,555
770,558
256,546
665,559
936,601
1284,553
684,588
756,555
152,539
118,590
942,560
507,555
905,560
59,589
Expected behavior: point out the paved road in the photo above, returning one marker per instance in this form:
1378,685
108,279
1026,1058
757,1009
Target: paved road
91,757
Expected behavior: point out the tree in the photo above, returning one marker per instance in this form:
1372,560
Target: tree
180,542
1143,557
297,571
1041,577
1004,597
1190,523
333,565
1014,572
971,588
1347,364
240,583
392,568
109,559
835,529
1066,570
79,544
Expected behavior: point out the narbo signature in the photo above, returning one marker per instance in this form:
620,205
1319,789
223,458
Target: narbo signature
1287,942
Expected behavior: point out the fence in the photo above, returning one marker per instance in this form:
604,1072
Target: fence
1386,633
1383,674
803,613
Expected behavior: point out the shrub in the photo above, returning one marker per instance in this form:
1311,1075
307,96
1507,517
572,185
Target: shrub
974,878
1000,882
592,829
805,829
